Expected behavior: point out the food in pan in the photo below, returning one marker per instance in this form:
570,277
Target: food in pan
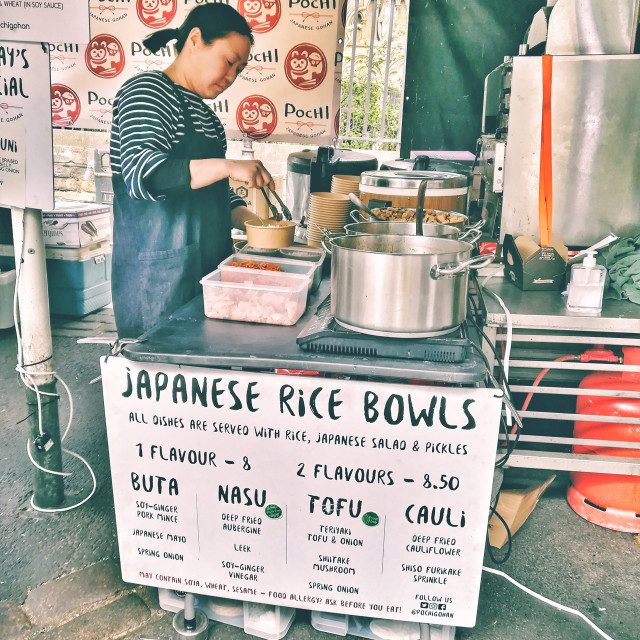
250,264
248,305
409,215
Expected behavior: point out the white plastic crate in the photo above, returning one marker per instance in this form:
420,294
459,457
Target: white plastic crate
266,620
376,628
262,620
7,289
255,297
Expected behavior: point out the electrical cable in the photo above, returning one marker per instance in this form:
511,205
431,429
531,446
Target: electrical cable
478,151
497,357
507,350
509,319
474,305
507,399
542,598
511,444
26,377
35,364
509,540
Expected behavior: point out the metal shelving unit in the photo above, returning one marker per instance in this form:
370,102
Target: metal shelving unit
542,332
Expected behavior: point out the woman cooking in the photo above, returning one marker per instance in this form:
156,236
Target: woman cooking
173,207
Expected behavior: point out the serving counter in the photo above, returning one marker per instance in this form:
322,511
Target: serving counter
189,338
360,490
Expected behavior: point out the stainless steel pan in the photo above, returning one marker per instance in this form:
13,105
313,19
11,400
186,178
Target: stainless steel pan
463,225
409,229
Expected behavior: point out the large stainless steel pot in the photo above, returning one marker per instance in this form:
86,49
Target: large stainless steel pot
403,286
409,229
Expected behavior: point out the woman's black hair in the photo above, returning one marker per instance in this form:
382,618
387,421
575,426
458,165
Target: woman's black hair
214,19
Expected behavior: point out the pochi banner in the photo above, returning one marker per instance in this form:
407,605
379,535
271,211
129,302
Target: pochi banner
289,91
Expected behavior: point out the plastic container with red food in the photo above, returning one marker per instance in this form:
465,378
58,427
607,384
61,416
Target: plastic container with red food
268,265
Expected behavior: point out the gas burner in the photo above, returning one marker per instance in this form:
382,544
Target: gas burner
323,334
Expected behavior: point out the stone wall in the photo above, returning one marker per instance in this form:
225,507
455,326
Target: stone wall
73,162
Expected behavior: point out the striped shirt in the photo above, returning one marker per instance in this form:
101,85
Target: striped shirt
147,124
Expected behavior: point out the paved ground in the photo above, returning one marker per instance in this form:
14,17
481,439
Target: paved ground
60,578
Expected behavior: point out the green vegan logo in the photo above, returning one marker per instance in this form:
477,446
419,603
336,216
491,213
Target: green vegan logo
371,519
273,511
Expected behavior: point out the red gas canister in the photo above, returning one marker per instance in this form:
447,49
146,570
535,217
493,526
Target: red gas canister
611,501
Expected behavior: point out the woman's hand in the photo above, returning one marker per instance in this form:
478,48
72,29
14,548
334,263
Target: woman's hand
251,172
209,170
240,216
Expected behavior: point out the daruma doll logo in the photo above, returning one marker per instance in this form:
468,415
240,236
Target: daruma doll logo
156,14
104,56
261,15
65,106
256,116
305,66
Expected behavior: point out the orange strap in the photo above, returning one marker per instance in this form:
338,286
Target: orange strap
545,199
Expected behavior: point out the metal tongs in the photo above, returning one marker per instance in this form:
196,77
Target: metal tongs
278,215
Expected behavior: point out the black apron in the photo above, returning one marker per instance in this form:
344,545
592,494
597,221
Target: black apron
161,249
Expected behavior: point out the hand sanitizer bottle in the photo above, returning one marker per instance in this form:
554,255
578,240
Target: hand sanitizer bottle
586,286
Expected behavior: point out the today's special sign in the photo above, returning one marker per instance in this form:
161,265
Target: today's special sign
26,143
45,20
337,495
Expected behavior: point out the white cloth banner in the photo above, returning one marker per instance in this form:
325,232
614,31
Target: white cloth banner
289,92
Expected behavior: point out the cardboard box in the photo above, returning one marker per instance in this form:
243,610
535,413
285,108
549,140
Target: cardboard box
76,224
515,506
534,268
254,198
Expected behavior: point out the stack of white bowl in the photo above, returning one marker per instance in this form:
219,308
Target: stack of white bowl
328,211
345,184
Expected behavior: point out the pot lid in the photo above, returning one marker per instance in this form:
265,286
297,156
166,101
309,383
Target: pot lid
433,164
344,161
396,179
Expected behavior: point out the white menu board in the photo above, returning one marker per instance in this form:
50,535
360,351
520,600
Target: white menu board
45,21
12,163
319,493
26,142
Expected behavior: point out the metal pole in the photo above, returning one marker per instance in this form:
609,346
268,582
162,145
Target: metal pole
352,69
35,355
372,39
387,65
247,147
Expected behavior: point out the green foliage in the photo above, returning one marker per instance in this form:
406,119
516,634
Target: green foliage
358,88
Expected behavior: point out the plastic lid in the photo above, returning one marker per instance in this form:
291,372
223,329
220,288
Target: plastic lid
412,179
346,161
590,259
